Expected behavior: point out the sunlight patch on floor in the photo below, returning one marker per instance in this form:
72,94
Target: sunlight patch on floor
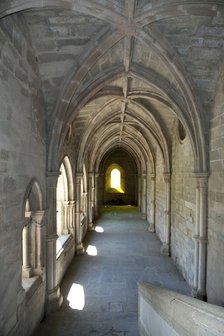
91,250
76,297
99,229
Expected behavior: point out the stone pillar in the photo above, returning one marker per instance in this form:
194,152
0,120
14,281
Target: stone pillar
27,269
143,198
96,196
200,237
79,245
71,218
54,297
139,192
165,249
151,227
90,202
65,215
37,218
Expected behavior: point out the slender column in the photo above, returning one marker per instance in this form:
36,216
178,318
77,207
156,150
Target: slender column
96,195
79,245
201,236
90,202
196,243
54,298
165,249
37,219
27,269
71,218
139,191
65,228
151,227
143,202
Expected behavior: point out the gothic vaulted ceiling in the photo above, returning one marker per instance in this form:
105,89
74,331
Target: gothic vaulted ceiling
119,72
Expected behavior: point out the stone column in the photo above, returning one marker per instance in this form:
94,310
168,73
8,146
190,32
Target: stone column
65,214
54,297
143,198
37,218
71,218
90,202
96,196
27,269
151,227
139,192
200,237
79,245
165,249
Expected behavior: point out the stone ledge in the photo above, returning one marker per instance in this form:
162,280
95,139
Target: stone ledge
30,285
180,314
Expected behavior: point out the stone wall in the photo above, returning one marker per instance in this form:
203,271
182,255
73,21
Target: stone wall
160,196
22,158
183,197
215,265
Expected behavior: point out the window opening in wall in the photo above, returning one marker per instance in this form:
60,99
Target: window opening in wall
115,177
181,131
32,245
63,207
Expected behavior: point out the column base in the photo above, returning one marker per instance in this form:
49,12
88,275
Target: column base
198,295
143,216
79,249
165,249
54,299
151,228
27,272
91,227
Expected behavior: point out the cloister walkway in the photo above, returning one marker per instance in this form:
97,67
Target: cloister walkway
100,287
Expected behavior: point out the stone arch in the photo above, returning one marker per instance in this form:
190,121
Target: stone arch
138,72
33,195
65,194
32,231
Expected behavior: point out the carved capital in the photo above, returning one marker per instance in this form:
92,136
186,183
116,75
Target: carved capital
167,177
202,179
152,177
52,178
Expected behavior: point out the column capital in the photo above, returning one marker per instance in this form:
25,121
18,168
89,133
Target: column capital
202,179
52,237
52,178
152,176
202,240
37,216
167,177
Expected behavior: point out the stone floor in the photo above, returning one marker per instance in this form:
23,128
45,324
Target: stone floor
121,253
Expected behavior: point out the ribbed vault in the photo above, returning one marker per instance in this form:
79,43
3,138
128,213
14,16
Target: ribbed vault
114,59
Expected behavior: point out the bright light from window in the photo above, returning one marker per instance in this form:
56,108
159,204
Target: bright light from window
99,229
76,297
91,250
115,179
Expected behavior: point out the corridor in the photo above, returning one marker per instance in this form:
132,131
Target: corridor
100,287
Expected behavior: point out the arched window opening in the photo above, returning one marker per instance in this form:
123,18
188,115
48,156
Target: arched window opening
65,206
181,132
32,241
115,179
62,200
